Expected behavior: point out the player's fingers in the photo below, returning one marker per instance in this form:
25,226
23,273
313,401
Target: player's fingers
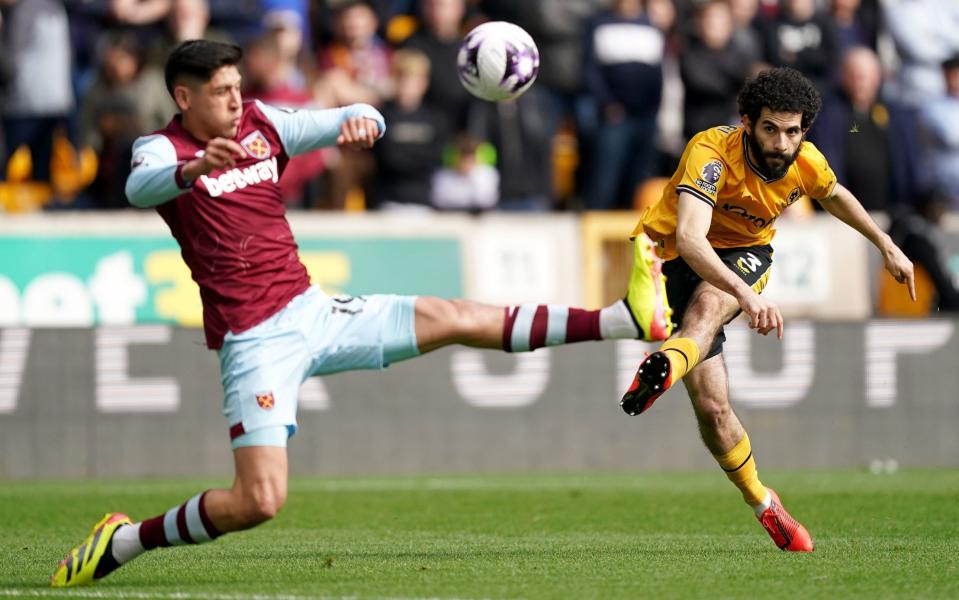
346,136
225,150
372,131
354,125
216,157
226,158
233,148
780,324
911,282
223,145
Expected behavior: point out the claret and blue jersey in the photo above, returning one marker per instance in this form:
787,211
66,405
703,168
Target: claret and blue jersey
231,224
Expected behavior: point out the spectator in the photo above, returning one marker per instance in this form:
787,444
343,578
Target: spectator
939,136
855,26
270,76
919,233
803,38
624,73
123,74
140,12
184,19
355,66
519,132
713,69
117,124
557,27
89,21
6,76
469,184
746,36
853,131
439,39
413,149
924,33
39,97
293,18
287,29
322,11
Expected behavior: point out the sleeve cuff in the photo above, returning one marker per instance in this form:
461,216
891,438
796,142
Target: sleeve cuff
696,193
181,183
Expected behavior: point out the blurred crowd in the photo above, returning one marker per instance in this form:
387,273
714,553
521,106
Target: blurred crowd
623,84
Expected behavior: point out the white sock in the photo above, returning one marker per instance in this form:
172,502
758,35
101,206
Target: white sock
762,506
615,322
126,543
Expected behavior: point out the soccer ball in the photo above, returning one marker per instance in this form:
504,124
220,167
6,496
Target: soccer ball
497,61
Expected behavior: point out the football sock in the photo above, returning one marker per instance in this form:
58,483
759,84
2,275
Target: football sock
683,355
126,544
740,468
615,323
184,524
531,326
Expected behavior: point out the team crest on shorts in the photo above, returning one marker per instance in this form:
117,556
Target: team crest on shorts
265,400
256,145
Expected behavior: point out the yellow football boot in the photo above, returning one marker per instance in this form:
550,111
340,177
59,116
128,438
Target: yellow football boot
646,294
83,564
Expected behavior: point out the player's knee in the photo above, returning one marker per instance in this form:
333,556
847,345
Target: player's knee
457,320
706,314
468,318
262,501
712,411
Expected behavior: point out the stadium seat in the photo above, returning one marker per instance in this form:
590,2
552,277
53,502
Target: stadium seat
894,300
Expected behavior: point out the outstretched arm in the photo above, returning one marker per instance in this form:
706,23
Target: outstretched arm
692,225
304,130
157,177
844,206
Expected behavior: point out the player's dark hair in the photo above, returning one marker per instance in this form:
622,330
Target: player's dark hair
199,59
780,90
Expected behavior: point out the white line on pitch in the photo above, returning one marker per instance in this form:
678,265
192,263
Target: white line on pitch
75,593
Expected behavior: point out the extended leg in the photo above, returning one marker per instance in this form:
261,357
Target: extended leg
644,313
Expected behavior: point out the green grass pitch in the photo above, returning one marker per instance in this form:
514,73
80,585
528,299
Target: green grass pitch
672,535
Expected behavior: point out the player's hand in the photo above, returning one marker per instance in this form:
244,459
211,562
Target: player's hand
220,153
358,132
764,316
900,268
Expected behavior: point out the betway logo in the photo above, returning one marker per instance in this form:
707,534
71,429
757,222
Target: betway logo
237,179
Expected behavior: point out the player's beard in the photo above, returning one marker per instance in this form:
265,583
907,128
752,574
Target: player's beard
762,159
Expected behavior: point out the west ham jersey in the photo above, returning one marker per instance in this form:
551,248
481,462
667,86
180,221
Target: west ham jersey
231,224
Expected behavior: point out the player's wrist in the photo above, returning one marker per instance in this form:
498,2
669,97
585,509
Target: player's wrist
744,293
192,170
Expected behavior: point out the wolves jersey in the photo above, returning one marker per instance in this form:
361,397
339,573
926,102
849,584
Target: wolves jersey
717,169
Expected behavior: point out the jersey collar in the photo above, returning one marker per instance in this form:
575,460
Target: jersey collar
755,168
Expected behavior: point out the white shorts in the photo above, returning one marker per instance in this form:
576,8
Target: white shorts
262,368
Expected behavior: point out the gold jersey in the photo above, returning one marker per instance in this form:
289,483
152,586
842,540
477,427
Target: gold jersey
717,169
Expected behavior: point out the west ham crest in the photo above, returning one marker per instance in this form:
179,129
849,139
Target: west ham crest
256,145
265,400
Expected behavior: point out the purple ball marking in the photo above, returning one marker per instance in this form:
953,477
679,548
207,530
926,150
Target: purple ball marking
513,57
470,47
